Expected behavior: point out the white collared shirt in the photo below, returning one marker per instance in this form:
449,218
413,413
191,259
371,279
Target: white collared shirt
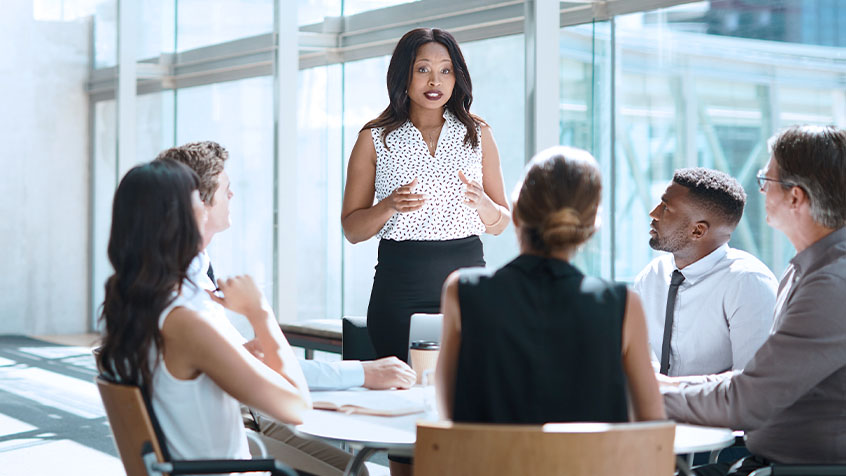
319,375
195,297
723,313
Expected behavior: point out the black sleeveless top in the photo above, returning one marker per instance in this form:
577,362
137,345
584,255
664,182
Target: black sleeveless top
540,342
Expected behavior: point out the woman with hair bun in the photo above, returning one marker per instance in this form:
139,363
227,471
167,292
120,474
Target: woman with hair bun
537,341
434,170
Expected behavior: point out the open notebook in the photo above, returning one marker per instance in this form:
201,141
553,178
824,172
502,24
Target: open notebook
371,402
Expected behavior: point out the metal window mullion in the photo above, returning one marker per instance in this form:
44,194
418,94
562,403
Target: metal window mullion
286,74
612,228
127,83
542,75
93,218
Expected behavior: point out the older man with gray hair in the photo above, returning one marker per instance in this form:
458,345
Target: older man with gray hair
790,398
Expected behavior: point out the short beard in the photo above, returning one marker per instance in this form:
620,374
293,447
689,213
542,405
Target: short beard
675,242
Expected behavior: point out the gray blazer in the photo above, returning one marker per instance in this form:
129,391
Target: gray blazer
791,397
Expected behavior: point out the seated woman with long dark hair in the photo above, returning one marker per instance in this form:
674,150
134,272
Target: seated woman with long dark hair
186,361
537,341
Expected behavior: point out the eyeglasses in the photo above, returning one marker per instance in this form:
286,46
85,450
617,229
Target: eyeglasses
763,179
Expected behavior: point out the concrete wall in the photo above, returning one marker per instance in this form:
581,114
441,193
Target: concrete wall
44,183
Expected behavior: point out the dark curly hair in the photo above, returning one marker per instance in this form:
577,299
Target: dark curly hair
154,237
399,77
206,159
715,191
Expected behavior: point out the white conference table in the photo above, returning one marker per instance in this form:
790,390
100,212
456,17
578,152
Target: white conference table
397,435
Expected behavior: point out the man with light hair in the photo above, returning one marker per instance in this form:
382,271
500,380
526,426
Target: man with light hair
790,398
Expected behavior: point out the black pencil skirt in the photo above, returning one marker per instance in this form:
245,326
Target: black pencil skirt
409,277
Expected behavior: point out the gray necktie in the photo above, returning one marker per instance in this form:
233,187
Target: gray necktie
675,282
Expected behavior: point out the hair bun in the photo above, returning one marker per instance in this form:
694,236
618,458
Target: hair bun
565,228
557,200
565,216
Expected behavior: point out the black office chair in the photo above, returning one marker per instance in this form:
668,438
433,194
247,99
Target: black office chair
793,469
801,470
355,341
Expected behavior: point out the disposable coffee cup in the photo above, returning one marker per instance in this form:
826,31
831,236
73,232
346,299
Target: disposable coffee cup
424,356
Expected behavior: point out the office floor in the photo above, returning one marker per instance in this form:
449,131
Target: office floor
51,418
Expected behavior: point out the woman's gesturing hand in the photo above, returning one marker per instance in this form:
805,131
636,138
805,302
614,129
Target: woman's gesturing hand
240,294
404,200
475,196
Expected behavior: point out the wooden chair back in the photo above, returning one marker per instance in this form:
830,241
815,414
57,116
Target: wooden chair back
131,424
639,449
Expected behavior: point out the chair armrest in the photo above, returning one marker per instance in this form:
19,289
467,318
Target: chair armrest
800,470
255,439
211,466
216,466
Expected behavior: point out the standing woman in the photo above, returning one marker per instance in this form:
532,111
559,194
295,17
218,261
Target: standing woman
434,170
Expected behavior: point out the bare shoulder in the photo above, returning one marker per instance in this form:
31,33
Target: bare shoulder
632,299
449,293
365,138
634,309
186,324
487,133
451,281
364,148
449,304
487,140
478,120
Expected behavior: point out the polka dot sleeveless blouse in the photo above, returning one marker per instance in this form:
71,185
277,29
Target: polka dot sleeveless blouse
444,216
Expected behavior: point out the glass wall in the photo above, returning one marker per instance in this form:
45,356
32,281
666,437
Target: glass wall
206,22
645,93
154,31
585,122
365,96
314,11
688,96
351,7
105,34
105,176
154,125
319,186
497,69
238,115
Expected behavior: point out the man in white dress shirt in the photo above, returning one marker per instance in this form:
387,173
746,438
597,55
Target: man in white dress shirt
207,160
720,303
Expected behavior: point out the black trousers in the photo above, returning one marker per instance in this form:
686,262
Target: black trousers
409,277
